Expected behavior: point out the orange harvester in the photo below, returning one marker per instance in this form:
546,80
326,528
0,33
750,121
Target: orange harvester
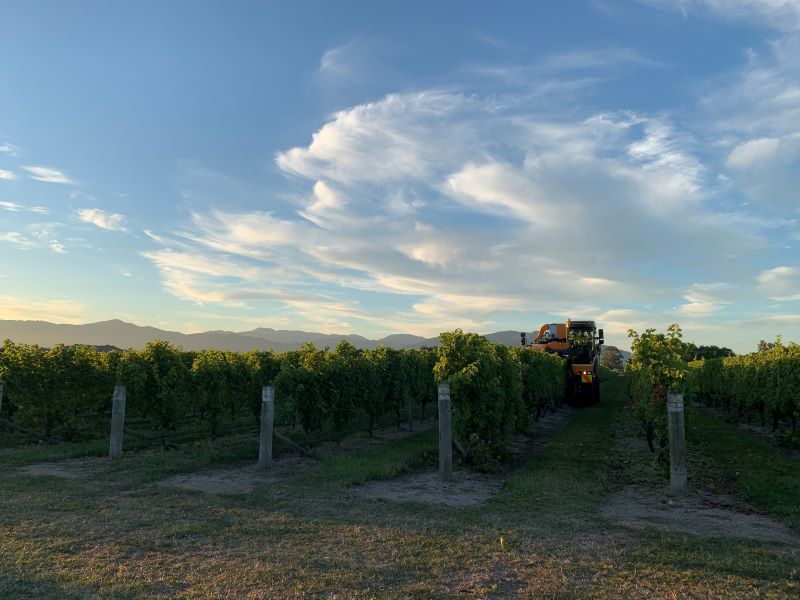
579,343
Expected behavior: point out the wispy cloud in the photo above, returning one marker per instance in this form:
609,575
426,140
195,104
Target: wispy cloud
16,207
756,110
337,62
7,175
10,149
781,283
102,219
35,236
613,56
705,299
781,14
48,175
569,71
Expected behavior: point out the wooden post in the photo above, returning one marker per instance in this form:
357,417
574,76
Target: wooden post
117,421
677,444
445,434
1,398
267,424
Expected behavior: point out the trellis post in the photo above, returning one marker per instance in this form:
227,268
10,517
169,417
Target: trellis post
445,434
677,444
117,421
267,424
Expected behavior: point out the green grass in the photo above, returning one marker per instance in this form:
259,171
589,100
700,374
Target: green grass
306,534
568,478
763,475
382,462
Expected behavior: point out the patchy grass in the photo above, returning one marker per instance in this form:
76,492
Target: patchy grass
762,474
307,534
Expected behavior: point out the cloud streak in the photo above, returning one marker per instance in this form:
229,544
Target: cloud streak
48,175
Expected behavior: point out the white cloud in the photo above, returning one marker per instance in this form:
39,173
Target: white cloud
436,253
48,175
753,151
7,175
102,219
201,278
781,283
246,234
494,187
9,149
390,140
325,205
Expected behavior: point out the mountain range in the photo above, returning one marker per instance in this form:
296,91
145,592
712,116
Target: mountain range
120,334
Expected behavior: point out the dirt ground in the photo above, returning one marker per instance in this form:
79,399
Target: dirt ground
698,513
73,468
466,489
228,481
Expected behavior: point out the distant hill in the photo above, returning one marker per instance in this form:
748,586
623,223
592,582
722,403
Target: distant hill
406,340
119,334
127,335
296,338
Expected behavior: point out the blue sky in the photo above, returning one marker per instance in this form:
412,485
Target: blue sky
377,167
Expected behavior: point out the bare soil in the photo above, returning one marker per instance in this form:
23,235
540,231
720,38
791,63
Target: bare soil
466,489
244,479
698,513
73,468
227,481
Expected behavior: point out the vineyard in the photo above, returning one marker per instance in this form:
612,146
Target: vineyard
762,385
576,507
65,392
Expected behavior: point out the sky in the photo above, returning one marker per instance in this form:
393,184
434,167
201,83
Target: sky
383,167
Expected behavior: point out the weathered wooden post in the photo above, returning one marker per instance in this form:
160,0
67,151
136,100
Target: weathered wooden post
445,434
267,424
677,444
117,421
